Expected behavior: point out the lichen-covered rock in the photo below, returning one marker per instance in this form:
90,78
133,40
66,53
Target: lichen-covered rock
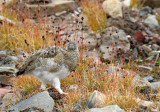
113,40
113,8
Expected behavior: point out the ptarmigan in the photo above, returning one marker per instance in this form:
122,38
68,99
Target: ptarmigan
52,64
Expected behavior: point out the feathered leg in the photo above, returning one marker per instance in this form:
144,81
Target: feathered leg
56,83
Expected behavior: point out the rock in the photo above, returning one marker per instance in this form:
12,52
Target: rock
3,54
41,100
149,78
4,19
155,85
146,48
110,108
7,70
113,41
126,3
148,106
8,100
151,21
90,41
77,107
155,47
5,80
96,100
145,10
51,8
113,8
145,68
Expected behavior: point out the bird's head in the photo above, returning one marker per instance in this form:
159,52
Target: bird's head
72,46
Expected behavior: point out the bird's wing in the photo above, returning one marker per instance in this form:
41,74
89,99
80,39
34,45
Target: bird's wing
34,59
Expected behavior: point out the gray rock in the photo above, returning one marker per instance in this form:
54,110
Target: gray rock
149,78
145,10
41,100
90,41
146,48
112,41
155,85
110,108
96,100
151,21
155,47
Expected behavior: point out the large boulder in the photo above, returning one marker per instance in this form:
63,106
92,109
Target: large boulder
113,8
113,40
41,101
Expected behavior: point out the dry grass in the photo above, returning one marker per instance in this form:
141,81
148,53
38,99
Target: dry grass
97,18
137,4
26,84
119,90
27,37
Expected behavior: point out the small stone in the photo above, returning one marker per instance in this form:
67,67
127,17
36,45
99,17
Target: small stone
155,47
96,100
145,68
149,78
110,108
113,8
145,10
147,48
150,58
41,100
151,21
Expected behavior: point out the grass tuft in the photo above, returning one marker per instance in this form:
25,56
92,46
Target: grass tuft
137,4
26,84
97,18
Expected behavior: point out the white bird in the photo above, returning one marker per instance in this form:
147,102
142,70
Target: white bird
52,64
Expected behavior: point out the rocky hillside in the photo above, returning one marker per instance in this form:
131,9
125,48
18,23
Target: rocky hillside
119,44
